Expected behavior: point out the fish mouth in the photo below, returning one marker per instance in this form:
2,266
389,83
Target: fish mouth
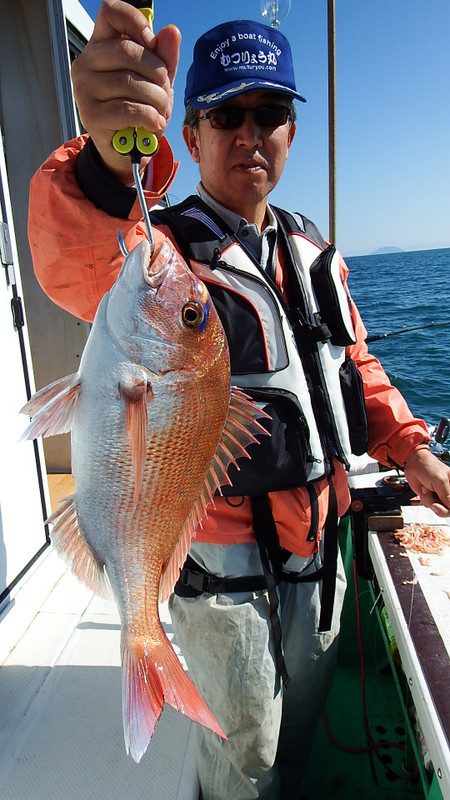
155,271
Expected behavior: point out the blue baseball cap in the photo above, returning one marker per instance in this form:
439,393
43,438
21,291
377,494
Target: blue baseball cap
237,57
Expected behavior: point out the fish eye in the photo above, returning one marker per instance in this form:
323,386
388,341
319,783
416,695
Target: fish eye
193,314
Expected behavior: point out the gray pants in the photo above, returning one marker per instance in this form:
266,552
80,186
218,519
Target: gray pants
227,643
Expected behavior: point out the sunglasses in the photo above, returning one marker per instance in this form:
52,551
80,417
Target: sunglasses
230,117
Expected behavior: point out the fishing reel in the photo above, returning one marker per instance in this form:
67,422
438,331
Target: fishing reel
438,436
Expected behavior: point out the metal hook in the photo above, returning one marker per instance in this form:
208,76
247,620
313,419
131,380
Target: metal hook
121,241
143,204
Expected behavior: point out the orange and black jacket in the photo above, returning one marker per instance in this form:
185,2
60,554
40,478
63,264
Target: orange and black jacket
75,209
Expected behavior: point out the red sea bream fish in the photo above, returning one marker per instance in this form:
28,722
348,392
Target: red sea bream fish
155,427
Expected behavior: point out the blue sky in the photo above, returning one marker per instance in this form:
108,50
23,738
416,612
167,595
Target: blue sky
393,115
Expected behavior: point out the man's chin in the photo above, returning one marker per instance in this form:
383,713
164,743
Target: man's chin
253,184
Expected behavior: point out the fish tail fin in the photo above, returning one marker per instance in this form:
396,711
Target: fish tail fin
142,697
180,692
152,676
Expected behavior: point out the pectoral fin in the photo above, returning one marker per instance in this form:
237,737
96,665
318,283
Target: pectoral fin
52,408
136,392
239,431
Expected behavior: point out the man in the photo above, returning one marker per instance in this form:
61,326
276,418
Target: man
262,656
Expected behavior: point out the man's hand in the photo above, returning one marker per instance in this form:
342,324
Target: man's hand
124,77
429,478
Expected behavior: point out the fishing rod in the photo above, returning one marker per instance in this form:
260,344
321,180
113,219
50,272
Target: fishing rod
377,336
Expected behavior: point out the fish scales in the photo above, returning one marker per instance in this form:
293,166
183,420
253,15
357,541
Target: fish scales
147,412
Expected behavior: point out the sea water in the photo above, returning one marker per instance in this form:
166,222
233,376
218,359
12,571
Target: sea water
403,290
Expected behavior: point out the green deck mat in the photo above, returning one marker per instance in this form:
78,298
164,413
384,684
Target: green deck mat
339,775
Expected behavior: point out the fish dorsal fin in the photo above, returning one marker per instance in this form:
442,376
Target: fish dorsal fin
52,408
70,544
239,431
136,393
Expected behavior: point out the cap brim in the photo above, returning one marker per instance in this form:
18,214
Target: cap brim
230,90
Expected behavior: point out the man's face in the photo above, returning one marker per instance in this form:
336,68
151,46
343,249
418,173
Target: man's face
240,166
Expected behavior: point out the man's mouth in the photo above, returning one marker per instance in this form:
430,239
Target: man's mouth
248,166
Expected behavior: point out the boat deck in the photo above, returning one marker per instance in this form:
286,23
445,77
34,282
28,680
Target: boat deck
60,694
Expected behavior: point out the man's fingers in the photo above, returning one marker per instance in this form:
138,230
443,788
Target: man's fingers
440,510
124,76
131,87
118,55
123,114
117,18
438,502
120,80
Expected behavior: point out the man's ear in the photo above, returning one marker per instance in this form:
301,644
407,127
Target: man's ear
291,134
190,137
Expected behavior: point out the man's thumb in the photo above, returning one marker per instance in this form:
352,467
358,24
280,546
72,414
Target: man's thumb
117,18
166,45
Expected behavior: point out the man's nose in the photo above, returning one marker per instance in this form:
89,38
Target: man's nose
249,133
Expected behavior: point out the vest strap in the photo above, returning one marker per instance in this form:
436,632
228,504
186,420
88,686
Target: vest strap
330,555
194,580
195,577
271,555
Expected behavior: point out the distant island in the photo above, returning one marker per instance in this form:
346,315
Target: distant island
385,250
